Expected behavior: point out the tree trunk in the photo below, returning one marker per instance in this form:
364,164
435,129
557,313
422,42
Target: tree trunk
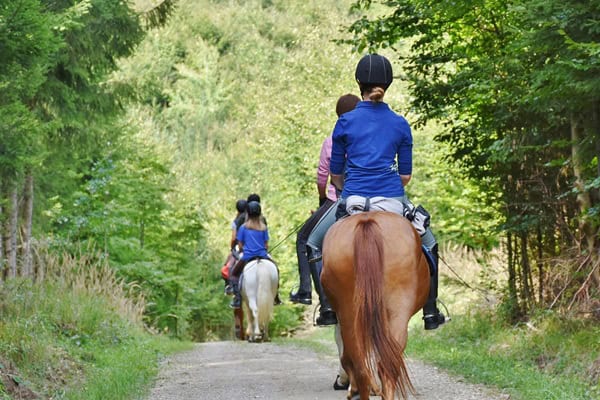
525,272
10,232
512,277
594,132
583,196
540,265
27,215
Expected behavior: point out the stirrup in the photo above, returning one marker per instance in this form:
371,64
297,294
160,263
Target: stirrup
315,259
236,303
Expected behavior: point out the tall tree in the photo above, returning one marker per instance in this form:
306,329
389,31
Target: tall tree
56,110
27,45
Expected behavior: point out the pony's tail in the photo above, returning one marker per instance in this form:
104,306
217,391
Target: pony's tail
264,294
382,354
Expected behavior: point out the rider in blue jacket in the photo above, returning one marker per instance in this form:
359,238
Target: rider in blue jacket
372,157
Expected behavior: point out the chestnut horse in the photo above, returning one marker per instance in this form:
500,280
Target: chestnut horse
376,276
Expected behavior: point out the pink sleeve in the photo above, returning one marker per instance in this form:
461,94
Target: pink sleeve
323,169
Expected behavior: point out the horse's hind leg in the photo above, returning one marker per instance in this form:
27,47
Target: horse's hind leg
362,383
387,389
359,382
343,375
255,325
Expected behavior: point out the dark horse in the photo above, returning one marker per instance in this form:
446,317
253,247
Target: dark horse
376,277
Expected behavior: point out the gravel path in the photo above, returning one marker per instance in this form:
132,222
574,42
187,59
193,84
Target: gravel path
269,371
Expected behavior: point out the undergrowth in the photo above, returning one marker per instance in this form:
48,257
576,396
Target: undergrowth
548,356
77,335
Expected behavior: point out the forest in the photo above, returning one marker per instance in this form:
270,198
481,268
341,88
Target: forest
128,130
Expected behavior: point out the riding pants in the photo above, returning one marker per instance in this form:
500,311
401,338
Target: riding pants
304,267
315,239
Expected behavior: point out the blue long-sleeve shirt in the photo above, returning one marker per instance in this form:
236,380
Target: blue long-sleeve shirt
372,147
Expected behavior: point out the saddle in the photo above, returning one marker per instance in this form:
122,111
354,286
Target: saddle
418,216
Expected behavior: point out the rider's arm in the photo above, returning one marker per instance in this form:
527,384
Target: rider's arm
405,179
233,235
337,181
338,156
323,169
405,157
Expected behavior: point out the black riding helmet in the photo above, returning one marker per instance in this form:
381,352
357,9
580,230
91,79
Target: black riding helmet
374,70
253,209
240,205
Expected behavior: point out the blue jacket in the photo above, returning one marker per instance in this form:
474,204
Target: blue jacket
372,147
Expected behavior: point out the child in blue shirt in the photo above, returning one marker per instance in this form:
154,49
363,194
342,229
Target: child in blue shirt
253,240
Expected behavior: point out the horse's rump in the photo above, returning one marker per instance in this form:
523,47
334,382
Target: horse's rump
376,278
258,288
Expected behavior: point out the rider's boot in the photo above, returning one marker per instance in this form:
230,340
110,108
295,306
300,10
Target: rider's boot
326,317
237,296
431,315
326,314
228,288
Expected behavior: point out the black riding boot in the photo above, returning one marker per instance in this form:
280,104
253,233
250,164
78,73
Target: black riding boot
237,296
431,315
326,314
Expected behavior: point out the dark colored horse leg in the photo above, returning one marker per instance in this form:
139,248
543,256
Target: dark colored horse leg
238,316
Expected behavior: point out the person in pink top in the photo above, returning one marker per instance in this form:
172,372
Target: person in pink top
326,189
327,198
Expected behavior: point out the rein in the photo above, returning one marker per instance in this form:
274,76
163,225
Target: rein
296,229
463,282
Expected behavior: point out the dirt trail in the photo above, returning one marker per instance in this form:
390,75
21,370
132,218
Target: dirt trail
269,371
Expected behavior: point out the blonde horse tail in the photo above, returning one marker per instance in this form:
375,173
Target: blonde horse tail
264,294
382,354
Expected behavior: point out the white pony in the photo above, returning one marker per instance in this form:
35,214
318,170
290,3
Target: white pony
260,280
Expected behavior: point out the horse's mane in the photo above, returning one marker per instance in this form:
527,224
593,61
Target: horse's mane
382,354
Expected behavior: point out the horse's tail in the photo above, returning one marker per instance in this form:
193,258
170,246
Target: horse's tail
382,353
265,293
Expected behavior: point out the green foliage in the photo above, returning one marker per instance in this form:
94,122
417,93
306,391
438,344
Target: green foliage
549,357
514,86
27,45
224,91
219,102
236,103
